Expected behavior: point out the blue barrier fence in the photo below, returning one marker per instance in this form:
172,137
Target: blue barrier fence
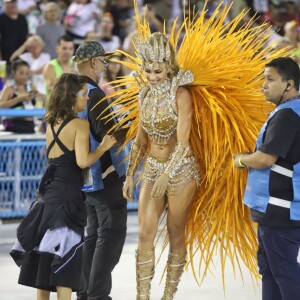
8,112
22,164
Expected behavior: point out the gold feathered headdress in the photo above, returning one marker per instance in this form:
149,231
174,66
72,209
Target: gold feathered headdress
156,52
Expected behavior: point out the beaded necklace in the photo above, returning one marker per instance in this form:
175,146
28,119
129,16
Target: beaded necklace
158,107
159,118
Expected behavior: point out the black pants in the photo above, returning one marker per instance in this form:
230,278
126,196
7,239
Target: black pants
105,237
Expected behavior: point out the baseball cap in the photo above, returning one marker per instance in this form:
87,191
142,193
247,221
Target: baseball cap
88,50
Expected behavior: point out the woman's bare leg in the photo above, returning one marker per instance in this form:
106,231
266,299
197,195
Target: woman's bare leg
63,293
179,205
42,294
150,210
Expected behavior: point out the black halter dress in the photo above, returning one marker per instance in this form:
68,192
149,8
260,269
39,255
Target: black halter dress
50,237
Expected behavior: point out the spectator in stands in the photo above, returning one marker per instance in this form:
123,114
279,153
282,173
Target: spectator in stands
64,5
81,19
261,8
155,22
19,95
106,207
290,40
273,38
122,11
50,237
31,11
105,37
113,71
281,12
52,29
162,8
25,7
128,44
13,30
62,64
291,36
291,32
36,58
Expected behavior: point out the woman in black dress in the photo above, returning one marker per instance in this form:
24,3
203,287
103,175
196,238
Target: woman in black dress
50,237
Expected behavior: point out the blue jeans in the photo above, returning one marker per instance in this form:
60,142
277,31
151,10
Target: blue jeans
277,261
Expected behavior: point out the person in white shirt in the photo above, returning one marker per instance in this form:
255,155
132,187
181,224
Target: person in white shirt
105,36
81,18
36,58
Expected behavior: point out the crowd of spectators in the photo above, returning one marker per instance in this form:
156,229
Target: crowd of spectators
45,33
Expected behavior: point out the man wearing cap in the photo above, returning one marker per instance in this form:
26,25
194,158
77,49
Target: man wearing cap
13,30
106,207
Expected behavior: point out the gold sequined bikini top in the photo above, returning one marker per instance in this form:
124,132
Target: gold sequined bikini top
158,109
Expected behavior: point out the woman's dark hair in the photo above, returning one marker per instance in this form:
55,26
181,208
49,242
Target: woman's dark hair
63,97
19,63
287,68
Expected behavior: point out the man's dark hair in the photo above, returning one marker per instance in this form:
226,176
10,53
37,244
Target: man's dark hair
65,38
287,68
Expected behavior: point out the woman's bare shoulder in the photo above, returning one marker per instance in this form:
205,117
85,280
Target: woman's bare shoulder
80,123
74,124
183,95
8,88
6,93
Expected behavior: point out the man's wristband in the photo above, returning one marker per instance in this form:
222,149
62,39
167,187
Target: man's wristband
240,161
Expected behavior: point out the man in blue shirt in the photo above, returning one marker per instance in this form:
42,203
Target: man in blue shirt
106,207
273,186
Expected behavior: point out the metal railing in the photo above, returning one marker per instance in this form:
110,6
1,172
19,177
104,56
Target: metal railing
22,164
9,112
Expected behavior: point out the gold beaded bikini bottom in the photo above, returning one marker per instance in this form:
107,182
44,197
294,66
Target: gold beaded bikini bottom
189,171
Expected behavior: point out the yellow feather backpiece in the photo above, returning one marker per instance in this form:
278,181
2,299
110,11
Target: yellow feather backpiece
229,109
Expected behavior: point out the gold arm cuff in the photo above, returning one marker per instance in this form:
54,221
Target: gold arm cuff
176,160
137,152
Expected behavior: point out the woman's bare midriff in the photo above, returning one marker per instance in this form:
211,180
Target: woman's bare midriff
162,152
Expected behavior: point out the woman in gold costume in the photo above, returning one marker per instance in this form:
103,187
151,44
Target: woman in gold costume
171,174
194,117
